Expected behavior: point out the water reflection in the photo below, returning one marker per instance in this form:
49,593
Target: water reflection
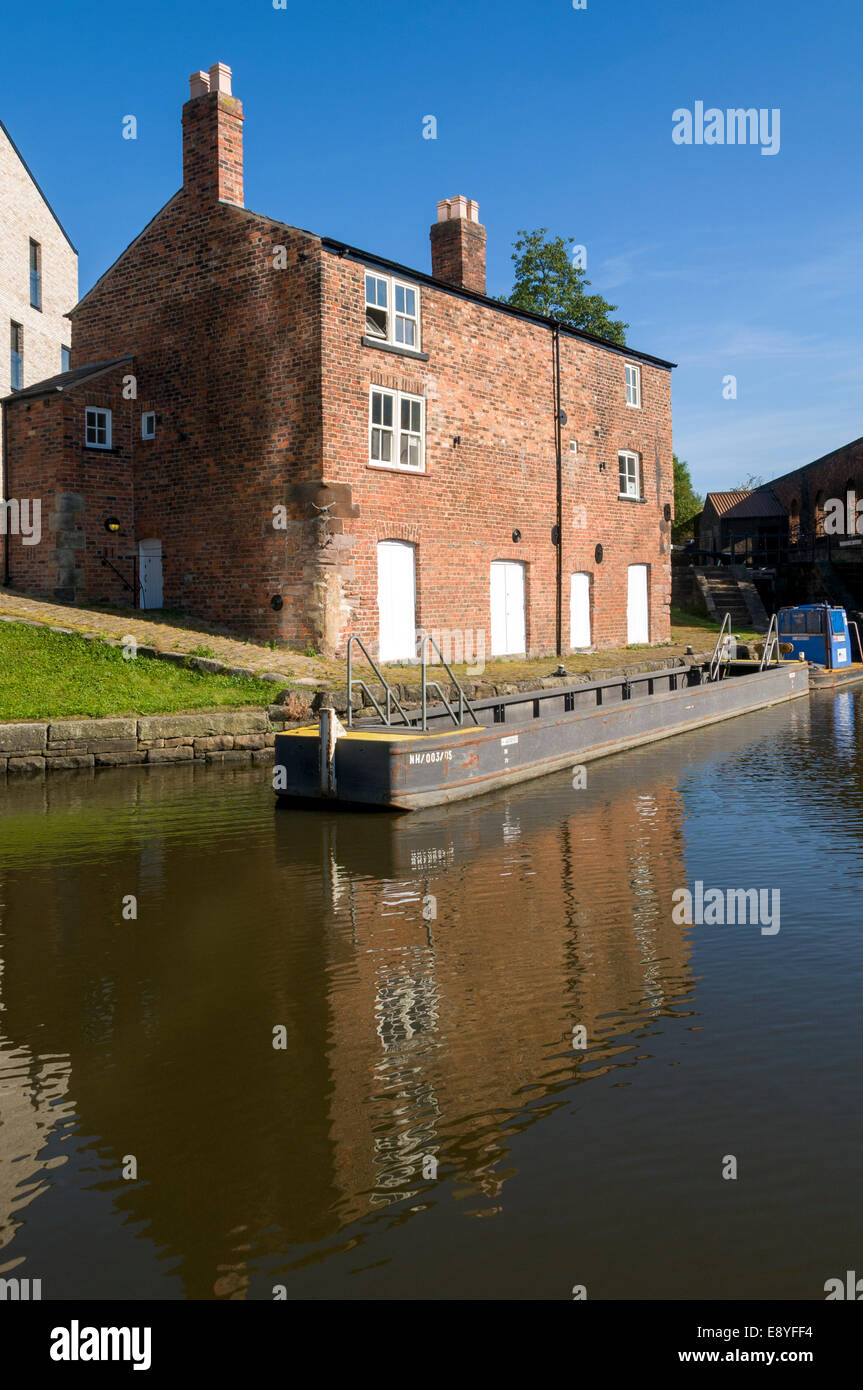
428,971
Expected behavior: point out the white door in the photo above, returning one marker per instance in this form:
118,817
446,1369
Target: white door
579,610
637,610
397,629
507,608
150,573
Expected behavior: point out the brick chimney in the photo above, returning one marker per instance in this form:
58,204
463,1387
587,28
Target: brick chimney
213,138
458,244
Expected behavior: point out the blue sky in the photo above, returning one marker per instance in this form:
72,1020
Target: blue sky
722,259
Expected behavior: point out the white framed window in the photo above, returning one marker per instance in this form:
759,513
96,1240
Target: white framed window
630,474
148,424
97,428
396,430
407,321
392,311
65,359
411,432
633,384
377,306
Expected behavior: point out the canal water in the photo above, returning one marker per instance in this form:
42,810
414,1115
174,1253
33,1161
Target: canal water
431,1126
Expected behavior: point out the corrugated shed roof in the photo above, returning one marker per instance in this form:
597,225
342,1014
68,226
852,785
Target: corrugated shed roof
723,501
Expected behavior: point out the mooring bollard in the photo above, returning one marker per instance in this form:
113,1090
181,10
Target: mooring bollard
330,730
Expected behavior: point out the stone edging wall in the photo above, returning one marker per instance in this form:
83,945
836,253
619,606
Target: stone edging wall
215,736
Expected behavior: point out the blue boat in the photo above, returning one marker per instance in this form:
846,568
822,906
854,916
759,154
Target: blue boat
823,636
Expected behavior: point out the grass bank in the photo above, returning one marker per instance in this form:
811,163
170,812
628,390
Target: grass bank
46,675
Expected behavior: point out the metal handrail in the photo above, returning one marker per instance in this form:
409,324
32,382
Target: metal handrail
392,698
435,685
122,578
772,639
462,698
851,624
581,691
716,659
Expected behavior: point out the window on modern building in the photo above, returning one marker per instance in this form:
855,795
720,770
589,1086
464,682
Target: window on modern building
633,384
16,364
396,430
392,311
97,427
148,424
65,359
630,474
35,275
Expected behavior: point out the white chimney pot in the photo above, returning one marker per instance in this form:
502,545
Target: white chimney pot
458,206
220,79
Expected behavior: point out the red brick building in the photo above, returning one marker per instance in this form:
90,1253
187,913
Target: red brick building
299,440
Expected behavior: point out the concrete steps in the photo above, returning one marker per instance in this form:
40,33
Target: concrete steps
724,592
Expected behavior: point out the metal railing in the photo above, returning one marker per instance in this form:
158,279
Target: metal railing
391,697
122,578
391,702
771,641
570,699
463,701
719,651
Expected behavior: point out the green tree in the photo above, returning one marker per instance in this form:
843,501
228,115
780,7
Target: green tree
547,282
687,503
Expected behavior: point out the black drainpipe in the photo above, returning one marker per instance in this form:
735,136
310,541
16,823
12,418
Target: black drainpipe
5,497
558,529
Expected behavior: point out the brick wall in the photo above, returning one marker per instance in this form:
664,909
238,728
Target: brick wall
489,383
79,488
227,353
812,485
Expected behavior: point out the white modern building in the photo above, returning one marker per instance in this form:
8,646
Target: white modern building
38,279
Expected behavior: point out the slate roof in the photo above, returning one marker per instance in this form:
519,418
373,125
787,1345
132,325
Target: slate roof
761,503
66,381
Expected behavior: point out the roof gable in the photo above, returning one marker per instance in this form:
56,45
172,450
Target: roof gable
37,186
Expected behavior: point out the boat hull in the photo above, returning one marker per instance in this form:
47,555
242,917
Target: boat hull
821,678
409,770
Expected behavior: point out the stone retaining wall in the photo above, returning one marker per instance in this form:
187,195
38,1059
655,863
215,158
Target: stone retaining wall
216,736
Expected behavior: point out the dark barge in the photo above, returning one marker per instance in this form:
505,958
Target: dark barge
434,755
